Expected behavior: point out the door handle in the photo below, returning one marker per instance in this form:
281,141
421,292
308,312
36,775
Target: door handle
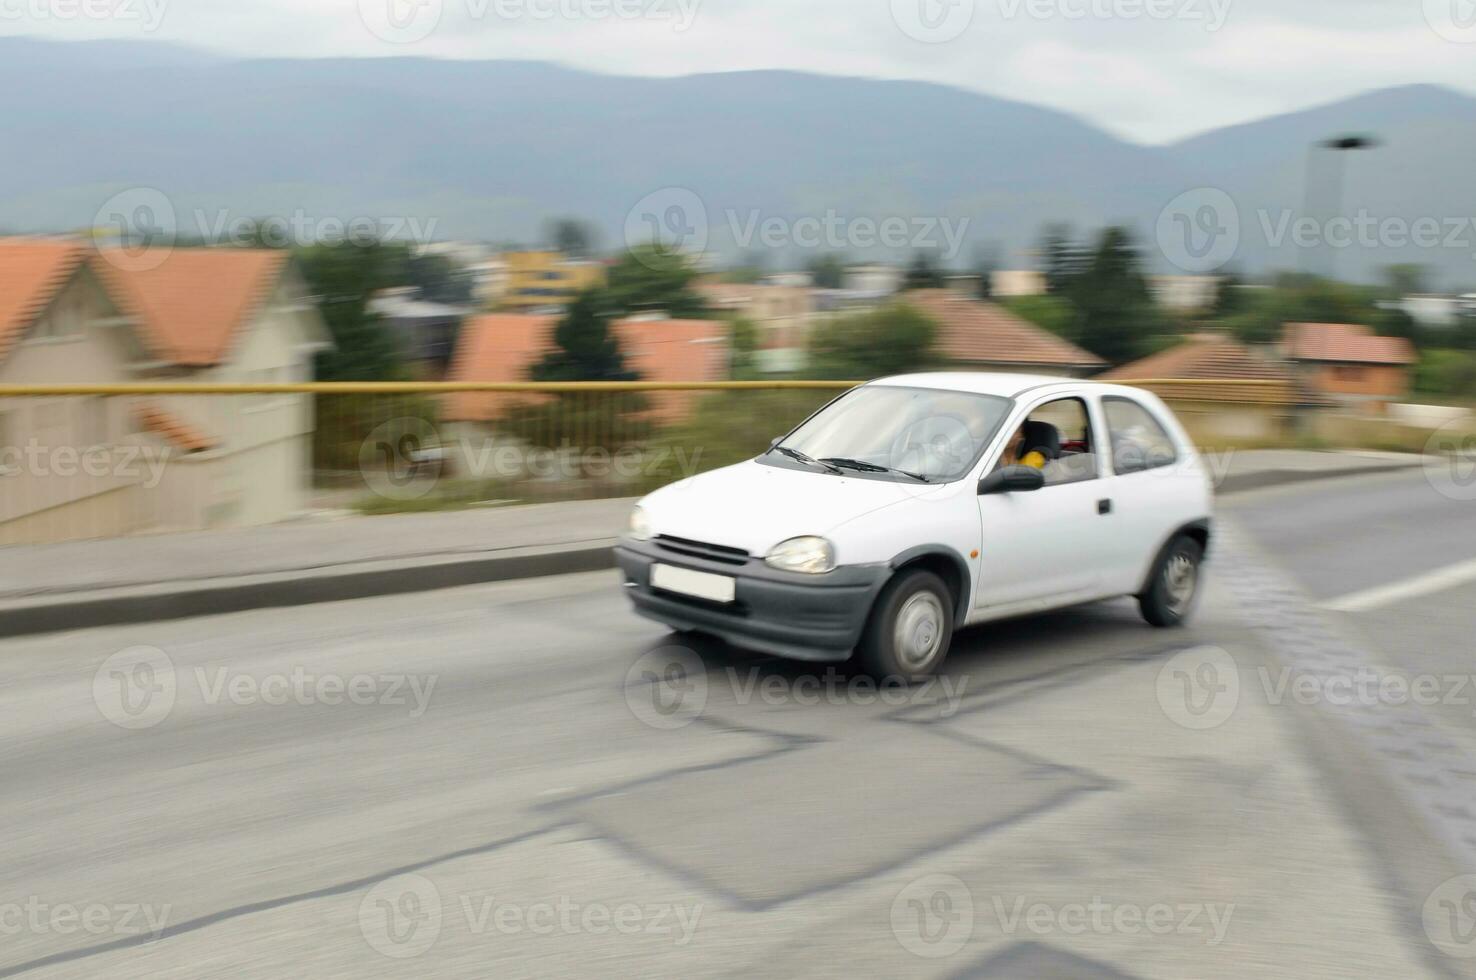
1104,507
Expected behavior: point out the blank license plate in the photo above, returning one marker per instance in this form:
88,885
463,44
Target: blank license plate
702,585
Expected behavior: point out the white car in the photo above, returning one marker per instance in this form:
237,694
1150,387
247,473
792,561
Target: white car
913,506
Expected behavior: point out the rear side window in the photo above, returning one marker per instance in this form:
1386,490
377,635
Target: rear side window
1139,441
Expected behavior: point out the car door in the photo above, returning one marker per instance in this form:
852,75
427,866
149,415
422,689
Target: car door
1047,547
1156,485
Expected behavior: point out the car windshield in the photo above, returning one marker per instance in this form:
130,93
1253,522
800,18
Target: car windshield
899,432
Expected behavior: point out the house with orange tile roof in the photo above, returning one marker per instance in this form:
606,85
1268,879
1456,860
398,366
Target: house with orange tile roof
1349,364
1222,388
985,336
504,348
81,467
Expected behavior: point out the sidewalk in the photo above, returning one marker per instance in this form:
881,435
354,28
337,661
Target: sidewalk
46,588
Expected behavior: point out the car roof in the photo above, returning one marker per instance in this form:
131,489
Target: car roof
997,383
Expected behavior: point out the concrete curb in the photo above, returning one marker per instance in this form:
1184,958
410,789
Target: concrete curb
1246,482
132,606
120,607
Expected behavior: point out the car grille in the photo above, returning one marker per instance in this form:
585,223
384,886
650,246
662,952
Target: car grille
701,549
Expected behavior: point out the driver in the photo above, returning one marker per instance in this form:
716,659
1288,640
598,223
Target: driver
1012,457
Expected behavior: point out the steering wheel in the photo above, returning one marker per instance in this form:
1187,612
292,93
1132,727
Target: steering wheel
935,446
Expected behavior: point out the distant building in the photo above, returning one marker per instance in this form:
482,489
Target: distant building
1185,294
783,314
1350,365
491,279
987,337
1438,312
70,315
544,278
1017,282
1216,401
790,280
873,280
424,332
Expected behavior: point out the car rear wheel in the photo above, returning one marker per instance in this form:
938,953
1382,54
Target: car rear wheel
910,628
1174,592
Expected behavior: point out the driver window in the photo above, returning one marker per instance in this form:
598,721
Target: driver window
1061,432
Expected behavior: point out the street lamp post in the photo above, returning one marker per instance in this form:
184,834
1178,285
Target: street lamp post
1336,149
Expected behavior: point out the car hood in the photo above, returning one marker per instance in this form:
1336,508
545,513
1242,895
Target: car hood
755,507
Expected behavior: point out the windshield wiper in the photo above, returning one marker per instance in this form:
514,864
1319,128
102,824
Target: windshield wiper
865,467
805,458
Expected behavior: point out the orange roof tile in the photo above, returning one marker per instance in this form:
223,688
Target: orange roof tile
32,272
190,306
504,348
976,332
674,351
1212,357
1345,343
177,432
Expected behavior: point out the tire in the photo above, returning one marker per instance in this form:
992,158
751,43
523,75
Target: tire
910,628
1173,591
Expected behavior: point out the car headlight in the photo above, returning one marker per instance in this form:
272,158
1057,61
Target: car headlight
640,525
812,556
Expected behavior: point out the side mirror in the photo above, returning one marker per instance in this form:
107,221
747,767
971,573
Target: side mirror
1012,479
774,443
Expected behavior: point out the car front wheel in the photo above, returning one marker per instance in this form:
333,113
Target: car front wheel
910,628
1174,590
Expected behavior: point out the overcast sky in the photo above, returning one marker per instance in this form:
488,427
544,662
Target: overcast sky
1150,70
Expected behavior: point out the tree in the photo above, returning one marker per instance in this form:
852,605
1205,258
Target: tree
1061,259
342,278
827,271
924,273
751,265
1118,317
743,341
1405,280
894,339
586,349
1299,298
1052,313
437,279
572,237
652,278
1230,297
986,262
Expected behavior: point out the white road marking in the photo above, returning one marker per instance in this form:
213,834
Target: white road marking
1386,595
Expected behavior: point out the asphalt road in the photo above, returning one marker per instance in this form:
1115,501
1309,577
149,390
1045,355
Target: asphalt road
489,782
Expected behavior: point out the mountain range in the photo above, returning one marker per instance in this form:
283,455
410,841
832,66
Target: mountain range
492,150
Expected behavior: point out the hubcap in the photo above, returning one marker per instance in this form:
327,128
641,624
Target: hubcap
1180,578
919,631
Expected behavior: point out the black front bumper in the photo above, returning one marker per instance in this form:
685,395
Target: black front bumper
804,617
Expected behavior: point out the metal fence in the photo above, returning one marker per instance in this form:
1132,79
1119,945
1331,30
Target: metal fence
90,461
